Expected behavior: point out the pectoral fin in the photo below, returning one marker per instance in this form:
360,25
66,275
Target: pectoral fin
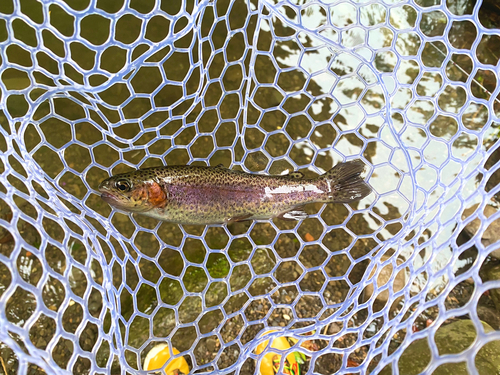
235,219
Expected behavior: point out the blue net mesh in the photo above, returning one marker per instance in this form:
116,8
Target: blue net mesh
91,88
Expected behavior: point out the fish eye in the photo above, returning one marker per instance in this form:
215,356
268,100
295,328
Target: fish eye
123,185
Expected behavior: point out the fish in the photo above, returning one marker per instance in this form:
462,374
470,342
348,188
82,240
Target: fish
203,195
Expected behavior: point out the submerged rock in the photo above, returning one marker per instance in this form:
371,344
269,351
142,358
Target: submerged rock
383,278
492,232
493,273
450,339
489,315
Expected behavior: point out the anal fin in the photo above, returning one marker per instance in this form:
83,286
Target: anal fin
295,214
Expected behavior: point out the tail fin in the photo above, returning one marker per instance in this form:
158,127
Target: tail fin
345,182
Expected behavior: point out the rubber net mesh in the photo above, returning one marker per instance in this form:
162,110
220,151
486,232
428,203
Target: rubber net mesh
94,88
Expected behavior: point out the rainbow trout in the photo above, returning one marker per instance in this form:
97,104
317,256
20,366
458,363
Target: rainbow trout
217,195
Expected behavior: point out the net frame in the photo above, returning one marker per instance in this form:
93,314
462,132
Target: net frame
50,202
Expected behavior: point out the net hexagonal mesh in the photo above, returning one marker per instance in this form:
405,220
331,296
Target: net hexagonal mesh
91,88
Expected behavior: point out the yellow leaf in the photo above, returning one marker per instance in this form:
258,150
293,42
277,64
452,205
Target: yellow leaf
266,364
159,355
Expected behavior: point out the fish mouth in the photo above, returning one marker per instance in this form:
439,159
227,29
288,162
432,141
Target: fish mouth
120,204
111,199
114,201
